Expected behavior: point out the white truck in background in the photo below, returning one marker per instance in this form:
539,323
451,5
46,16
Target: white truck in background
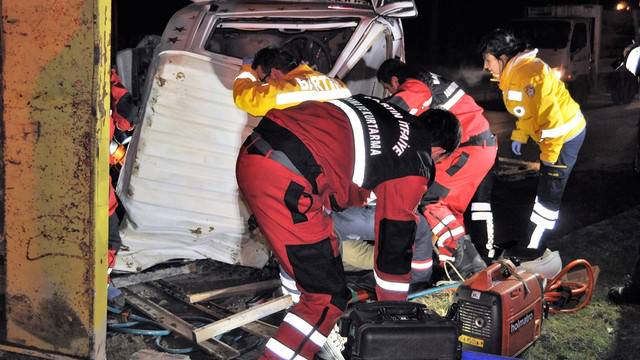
580,42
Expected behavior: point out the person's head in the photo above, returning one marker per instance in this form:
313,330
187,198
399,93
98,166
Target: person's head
272,62
497,48
392,73
445,132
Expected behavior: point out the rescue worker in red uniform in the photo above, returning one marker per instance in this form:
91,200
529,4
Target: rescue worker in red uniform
466,175
275,80
548,115
318,155
123,118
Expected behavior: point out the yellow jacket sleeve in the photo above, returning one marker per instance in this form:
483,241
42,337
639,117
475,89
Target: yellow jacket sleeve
550,116
252,95
300,84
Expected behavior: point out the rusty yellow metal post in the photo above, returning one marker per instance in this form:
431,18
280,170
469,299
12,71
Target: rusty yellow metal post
55,59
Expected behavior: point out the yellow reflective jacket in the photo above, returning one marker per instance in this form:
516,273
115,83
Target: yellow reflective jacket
298,85
545,110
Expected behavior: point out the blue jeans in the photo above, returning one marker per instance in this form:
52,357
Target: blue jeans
357,223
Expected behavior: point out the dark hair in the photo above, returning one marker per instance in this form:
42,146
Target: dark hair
272,57
444,128
501,42
390,68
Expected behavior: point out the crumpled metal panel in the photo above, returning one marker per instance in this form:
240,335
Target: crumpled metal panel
182,199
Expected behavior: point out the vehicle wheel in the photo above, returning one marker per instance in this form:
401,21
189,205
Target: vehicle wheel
624,88
311,50
579,90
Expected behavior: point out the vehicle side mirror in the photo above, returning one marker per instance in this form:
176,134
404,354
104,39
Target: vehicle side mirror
395,8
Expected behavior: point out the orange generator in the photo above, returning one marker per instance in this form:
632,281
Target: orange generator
500,310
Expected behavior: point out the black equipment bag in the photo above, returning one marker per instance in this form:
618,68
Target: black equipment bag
399,330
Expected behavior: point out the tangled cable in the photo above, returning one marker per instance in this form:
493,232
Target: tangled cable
128,327
448,264
132,320
558,293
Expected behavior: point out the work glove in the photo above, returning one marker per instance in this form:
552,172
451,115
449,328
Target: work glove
548,163
253,225
247,60
516,146
111,262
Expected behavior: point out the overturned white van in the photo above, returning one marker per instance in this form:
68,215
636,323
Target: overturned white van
178,183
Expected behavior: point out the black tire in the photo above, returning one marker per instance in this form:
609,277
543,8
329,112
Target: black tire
579,90
624,88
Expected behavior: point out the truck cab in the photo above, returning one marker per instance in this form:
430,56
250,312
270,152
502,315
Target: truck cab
177,184
566,44
579,42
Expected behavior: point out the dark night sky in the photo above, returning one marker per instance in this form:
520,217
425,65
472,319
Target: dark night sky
446,32
134,19
461,24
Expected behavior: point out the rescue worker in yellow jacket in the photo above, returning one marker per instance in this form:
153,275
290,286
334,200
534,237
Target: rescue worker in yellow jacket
273,79
548,115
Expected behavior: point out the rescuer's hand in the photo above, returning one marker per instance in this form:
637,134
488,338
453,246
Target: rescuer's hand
516,146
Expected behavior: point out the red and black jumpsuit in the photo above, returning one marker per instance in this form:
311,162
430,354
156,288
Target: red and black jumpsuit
318,155
123,117
463,176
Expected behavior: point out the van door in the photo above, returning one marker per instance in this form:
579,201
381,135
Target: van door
579,52
360,60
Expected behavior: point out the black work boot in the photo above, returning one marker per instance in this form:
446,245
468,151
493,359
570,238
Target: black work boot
468,260
522,253
627,294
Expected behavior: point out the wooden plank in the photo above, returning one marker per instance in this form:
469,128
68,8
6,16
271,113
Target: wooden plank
178,326
258,328
234,290
244,317
127,280
146,354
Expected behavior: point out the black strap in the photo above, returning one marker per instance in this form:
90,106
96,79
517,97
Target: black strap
256,145
292,199
334,204
486,138
286,148
460,162
434,193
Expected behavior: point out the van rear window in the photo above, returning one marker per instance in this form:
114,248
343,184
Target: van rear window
319,44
